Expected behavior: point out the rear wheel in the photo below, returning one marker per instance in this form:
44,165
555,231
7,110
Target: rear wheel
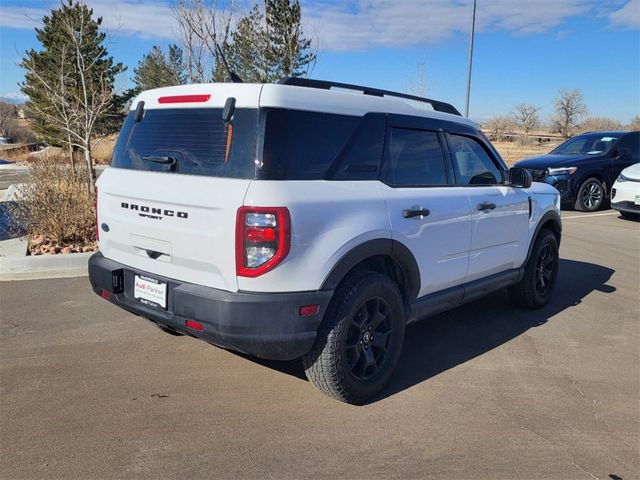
539,280
360,339
590,195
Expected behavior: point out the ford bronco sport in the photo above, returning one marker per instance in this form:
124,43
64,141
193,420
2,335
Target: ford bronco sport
314,220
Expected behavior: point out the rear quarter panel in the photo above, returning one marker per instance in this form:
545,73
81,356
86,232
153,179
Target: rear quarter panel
328,219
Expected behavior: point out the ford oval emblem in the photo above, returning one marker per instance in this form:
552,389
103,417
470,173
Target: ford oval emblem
104,227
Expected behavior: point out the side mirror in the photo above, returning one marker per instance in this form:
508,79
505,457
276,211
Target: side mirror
520,177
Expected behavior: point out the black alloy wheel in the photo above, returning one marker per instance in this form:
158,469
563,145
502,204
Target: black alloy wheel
368,338
545,268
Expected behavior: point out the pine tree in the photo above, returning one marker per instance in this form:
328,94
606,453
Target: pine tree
288,52
159,70
70,81
246,55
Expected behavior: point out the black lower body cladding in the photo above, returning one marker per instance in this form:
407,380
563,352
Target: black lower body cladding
265,325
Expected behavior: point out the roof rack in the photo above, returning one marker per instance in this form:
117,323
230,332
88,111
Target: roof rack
327,85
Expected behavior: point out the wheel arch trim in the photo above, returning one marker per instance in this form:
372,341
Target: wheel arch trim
388,247
550,216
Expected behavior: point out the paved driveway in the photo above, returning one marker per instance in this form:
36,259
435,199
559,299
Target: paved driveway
484,391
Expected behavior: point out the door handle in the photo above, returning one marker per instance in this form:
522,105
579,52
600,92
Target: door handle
415,212
484,206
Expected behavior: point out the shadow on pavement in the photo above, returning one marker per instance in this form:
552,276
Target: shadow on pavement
444,341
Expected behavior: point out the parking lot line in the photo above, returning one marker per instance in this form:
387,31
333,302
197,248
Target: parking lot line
592,215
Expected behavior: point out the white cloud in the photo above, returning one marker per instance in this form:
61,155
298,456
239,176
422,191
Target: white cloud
20,17
353,25
143,19
136,18
628,16
15,98
18,96
362,24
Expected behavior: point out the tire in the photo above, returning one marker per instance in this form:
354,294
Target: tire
360,339
590,195
540,273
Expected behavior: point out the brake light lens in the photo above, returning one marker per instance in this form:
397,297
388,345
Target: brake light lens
184,98
263,239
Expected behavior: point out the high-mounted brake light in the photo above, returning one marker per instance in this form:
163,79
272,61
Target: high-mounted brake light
263,239
185,98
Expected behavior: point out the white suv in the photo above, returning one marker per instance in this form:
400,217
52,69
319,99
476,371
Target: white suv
314,219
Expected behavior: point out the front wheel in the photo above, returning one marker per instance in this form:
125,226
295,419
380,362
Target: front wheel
590,195
360,339
540,272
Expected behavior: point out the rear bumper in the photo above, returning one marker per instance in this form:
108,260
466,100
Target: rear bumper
265,325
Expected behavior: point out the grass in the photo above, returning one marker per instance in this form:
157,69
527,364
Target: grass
511,152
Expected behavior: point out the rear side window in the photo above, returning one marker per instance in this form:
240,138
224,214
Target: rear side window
471,162
415,158
301,145
629,145
190,141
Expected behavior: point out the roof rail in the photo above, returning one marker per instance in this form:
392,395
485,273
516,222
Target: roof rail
327,85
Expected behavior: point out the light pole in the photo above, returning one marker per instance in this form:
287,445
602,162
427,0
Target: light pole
473,29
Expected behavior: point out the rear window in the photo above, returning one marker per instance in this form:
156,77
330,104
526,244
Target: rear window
191,141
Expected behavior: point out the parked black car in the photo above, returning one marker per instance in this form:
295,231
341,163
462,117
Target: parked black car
584,167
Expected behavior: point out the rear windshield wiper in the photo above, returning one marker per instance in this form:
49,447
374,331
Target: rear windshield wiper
171,161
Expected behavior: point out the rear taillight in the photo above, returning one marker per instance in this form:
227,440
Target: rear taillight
95,208
263,238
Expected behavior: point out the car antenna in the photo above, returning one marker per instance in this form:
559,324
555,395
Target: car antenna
233,75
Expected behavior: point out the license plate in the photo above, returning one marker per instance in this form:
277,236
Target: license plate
150,291
637,200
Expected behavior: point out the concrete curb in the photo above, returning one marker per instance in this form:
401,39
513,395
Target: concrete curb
14,168
39,267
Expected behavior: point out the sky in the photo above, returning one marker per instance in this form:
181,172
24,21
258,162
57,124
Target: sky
525,50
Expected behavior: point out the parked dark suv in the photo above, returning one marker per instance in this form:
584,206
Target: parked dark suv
584,167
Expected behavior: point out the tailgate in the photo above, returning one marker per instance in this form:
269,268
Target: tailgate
177,226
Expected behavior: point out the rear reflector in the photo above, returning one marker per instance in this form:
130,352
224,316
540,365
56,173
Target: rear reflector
194,325
105,294
184,99
309,310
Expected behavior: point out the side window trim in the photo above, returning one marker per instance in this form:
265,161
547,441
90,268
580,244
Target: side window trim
386,158
499,166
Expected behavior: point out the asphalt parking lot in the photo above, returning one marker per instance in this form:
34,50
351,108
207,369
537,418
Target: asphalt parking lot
484,391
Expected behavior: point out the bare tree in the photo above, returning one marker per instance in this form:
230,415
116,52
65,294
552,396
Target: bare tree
498,127
569,109
634,126
595,124
7,118
79,90
526,117
203,24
